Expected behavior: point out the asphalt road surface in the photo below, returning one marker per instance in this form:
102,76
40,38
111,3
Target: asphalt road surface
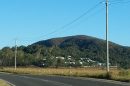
33,80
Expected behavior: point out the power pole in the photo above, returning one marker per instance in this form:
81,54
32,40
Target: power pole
15,54
107,42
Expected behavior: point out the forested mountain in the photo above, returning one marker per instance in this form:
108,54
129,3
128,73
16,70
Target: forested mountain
81,50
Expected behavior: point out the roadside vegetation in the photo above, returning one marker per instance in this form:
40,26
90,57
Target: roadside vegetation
3,83
78,56
115,74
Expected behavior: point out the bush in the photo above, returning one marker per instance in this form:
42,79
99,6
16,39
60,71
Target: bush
123,73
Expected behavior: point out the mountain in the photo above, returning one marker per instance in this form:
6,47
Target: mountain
81,46
62,41
79,50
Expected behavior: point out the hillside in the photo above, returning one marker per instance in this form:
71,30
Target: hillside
79,50
79,40
89,47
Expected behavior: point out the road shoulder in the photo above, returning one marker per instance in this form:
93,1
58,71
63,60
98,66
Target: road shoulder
5,83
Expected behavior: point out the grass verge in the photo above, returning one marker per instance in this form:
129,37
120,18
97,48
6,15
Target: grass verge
3,83
114,74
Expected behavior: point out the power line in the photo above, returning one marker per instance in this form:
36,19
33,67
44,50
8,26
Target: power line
75,20
84,14
90,16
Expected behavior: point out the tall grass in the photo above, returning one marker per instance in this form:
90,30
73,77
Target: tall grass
115,74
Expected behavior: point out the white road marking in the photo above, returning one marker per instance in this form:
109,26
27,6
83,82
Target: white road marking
8,82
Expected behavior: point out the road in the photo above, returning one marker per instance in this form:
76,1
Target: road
35,80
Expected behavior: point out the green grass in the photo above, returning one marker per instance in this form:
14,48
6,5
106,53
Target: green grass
3,83
118,75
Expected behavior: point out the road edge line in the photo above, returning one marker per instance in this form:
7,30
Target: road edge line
8,82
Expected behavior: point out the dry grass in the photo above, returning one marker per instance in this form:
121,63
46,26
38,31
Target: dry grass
3,83
120,75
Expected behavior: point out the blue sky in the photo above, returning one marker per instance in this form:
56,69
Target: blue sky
30,20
